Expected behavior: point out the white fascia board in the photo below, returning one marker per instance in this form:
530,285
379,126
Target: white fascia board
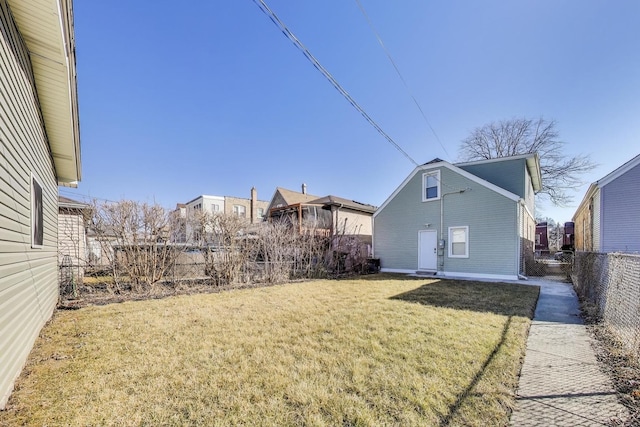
496,159
455,169
585,200
398,189
619,172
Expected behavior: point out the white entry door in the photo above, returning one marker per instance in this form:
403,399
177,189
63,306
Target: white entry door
427,250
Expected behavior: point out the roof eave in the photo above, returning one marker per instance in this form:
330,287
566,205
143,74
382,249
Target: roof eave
615,174
46,27
591,191
533,165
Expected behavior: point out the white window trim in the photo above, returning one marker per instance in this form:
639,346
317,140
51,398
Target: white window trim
424,185
466,245
240,210
36,212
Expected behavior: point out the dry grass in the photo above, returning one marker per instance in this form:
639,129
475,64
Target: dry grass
382,350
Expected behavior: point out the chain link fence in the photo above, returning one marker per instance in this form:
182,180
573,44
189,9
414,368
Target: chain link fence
548,264
612,283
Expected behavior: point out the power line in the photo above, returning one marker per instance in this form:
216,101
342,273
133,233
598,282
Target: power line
85,197
386,51
298,44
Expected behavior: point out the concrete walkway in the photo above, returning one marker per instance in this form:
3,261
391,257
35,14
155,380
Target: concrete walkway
561,383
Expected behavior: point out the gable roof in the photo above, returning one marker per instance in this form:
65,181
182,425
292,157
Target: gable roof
339,201
67,203
533,166
293,197
604,181
619,171
46,27
454,168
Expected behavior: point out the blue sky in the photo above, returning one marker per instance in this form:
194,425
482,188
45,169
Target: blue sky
211,98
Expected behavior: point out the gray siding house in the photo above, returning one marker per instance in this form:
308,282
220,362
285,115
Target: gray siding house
607,218
472,219
39,150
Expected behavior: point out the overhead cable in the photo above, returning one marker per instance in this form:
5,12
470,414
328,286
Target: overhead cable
297,43
386,51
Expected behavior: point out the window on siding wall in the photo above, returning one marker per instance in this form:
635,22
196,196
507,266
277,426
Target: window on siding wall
37,215
459,242
431,186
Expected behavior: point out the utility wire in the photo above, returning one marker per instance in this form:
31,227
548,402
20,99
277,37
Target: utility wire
85,197
297,43
386,51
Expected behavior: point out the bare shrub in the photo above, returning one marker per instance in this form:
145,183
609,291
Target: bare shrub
136,243
140,245
226,250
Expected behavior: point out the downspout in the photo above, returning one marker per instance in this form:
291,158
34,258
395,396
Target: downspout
441,261
520,227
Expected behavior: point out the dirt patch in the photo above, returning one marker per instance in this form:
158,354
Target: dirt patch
101,294
617,362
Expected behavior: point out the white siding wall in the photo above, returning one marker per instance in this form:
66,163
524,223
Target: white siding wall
72,242
28,276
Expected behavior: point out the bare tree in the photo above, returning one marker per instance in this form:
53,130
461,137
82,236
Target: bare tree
560,173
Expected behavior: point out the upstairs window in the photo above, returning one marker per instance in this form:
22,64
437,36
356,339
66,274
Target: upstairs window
260,214
239,210
431,186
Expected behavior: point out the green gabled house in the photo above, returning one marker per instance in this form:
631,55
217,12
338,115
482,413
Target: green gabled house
471,219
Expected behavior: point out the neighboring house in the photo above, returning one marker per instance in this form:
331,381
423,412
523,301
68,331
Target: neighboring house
252,209
73,217
471,219
294,205
100,249
335,215
607,217
348,222
39,150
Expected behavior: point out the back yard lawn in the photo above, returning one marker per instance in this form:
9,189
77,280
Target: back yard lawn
378,350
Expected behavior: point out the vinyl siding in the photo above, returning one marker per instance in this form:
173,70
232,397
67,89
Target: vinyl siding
620,226
72,242
508,174
28,276
356,222
596,230
491,218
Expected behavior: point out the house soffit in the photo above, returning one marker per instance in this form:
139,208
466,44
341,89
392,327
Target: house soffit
46,27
